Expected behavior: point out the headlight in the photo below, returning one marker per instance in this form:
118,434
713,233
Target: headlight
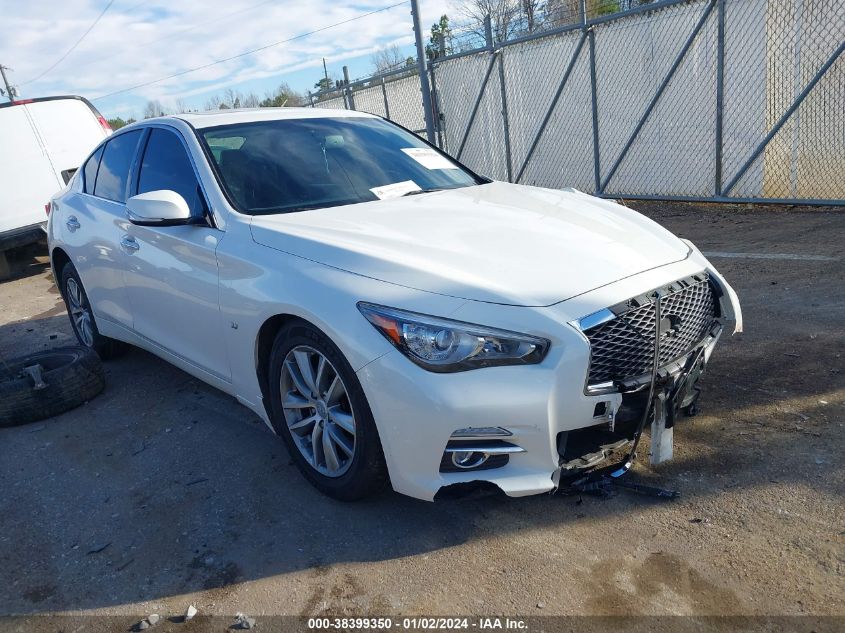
443,345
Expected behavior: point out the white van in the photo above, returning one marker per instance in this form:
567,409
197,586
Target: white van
42,143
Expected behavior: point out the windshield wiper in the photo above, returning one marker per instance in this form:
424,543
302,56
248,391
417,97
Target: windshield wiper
418,191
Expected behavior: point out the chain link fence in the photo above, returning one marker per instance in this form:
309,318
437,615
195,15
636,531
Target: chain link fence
395,95
716,100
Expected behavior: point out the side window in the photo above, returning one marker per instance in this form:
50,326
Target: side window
90,171
113,177
166,166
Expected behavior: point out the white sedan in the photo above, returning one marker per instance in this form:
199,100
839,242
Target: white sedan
390,314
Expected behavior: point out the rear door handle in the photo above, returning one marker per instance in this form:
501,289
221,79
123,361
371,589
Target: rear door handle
128,242
72,223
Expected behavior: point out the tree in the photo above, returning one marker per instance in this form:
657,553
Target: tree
117,122
529,10
596,8
508,18
386,59
503,17
432,49
153,109
250,100
562,12
325,83
231,98
213,103
282,96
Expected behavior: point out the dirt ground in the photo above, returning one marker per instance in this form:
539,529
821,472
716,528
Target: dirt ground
163,492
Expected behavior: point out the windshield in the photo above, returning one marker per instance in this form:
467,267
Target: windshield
291,165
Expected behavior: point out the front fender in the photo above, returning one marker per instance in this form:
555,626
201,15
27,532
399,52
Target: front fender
731,308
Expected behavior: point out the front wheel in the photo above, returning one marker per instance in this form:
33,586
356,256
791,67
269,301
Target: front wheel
319,408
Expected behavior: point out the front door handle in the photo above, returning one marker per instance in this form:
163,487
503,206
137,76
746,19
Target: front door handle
72,223
128,242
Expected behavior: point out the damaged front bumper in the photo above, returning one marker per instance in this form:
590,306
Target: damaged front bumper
672,392
553,431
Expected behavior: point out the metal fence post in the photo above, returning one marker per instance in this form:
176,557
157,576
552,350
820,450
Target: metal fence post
384,96
488,31
435,104
596,162
348,88
421,69
438,114
310,99
720,93
505,123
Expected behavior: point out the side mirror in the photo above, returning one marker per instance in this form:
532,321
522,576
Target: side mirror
158,208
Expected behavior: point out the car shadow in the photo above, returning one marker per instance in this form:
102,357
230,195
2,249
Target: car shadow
162,485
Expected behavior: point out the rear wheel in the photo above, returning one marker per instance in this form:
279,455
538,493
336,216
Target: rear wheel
319,408
82,317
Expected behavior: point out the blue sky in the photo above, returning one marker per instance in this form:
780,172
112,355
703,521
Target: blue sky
140,41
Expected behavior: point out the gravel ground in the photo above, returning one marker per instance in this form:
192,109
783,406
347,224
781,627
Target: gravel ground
163,492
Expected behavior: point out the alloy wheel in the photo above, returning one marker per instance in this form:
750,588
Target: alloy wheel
317,411
80,312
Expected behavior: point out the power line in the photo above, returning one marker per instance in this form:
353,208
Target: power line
183,30
207,22
71,49
249,52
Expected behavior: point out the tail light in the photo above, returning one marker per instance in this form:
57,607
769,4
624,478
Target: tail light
104,124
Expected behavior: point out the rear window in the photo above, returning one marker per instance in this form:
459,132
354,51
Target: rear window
113,176
90,171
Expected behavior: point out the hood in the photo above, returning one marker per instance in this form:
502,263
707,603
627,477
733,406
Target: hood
497,242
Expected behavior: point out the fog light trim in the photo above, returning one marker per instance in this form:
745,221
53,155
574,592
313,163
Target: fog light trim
466,460
482,431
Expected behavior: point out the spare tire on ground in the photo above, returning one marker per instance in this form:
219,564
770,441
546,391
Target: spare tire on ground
48,383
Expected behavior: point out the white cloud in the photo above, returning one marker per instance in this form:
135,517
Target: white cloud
138,42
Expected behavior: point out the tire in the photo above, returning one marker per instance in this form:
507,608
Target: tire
361,471
106,348
73,376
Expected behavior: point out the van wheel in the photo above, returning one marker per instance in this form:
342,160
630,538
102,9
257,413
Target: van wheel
319,408
82,317
48,383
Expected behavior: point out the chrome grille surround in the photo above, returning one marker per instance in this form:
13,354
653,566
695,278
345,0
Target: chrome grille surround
622,337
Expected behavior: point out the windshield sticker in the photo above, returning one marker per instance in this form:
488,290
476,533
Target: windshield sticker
429,158
396,190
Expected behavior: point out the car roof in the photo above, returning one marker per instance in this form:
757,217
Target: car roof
228,117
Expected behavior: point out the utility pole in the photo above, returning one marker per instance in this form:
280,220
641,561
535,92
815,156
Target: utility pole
10,92
326,75
350,99
423,71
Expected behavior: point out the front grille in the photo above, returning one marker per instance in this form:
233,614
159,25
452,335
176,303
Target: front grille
623,347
